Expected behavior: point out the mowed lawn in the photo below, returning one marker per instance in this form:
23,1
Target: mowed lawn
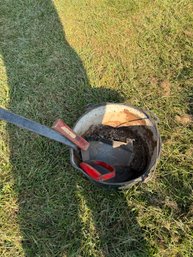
58,56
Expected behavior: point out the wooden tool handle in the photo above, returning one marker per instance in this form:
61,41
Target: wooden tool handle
60,126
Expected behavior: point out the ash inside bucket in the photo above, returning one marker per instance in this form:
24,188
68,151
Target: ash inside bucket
141,153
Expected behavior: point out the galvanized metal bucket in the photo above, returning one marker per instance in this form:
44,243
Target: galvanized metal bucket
122,115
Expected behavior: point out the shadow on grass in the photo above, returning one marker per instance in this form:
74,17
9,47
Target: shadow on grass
47,80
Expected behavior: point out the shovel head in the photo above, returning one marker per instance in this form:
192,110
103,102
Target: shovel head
115,153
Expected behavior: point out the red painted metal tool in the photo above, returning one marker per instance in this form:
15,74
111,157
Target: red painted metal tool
66,131
97,170
114,153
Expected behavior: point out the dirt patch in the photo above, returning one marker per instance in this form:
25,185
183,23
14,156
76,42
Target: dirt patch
140,153
154,81
166,87
184,119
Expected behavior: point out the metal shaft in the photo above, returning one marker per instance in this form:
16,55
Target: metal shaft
34,127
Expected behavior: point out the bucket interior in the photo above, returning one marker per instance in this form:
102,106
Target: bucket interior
122,122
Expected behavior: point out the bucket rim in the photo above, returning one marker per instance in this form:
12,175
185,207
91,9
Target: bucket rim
147,175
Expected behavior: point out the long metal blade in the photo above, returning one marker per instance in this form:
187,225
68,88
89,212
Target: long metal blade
34,127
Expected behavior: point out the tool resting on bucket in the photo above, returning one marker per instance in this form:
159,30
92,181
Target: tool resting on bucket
114,153
95,169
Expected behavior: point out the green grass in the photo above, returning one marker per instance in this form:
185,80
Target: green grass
57,57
